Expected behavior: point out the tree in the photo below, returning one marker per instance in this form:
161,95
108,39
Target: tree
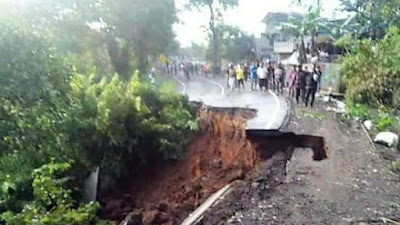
235,44
374,17
124,34
309,24
144,26
214,9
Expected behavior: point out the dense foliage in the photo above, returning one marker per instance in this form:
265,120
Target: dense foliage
373,18
53,203
118,36
127,123
214,8
235,44
48,112
371,70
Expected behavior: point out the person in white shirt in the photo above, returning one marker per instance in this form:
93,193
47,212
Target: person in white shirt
263,78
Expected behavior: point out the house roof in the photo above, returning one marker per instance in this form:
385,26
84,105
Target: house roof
278,17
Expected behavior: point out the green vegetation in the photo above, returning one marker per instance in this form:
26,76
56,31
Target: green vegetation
370,70
373,17
235,44
51,116
52,202
309,114
214,7
356,110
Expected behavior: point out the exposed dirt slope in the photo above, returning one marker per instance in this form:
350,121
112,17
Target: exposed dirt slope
166,193
353,186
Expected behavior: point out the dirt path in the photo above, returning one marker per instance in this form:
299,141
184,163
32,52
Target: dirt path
352,186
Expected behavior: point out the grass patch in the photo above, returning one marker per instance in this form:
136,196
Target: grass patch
309,114
395,167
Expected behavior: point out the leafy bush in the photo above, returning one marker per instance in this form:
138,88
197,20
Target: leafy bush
52,203
371,70
128,123
358,110
49,112
385,121
34,101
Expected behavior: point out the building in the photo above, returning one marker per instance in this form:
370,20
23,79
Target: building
285,42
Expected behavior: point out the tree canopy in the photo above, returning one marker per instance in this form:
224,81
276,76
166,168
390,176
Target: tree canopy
214,8
374,17
125,33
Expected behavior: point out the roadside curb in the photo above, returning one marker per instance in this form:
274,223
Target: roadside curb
288,117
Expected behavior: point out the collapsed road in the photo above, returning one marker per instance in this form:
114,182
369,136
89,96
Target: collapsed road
240,135
272,110
272,116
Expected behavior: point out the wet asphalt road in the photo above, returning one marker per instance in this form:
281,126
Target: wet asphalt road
271,109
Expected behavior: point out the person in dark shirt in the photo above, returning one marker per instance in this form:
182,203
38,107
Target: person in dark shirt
318,71
311,87
246,68
300,84
271,74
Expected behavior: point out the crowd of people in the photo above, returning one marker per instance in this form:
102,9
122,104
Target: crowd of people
302,82
188,68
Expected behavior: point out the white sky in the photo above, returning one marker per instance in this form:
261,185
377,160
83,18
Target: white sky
247,16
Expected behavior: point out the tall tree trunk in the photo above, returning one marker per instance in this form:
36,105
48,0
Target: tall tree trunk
214,41
142,57
313,48
302,53
119,56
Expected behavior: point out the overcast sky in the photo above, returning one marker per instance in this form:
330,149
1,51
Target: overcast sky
247,16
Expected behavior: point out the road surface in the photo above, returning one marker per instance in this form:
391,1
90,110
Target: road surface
271,109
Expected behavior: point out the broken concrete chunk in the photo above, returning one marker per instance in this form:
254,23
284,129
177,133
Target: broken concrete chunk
387,138
368,124
326,99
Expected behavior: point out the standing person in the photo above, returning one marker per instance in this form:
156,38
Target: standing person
292,81
196,68
246,71
262,78
311,87
280,78
175,67
253,76
318,71
271,74
300,84
240,76
191,68
186,71
231,77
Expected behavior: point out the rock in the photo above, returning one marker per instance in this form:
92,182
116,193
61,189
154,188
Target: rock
163,206
255,185
162,218
341,107
133,218
149,217
326,99
387,138
368,124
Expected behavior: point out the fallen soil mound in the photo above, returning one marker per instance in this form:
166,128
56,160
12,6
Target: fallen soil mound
165,193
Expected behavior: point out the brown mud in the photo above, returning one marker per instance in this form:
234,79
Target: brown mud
165,193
